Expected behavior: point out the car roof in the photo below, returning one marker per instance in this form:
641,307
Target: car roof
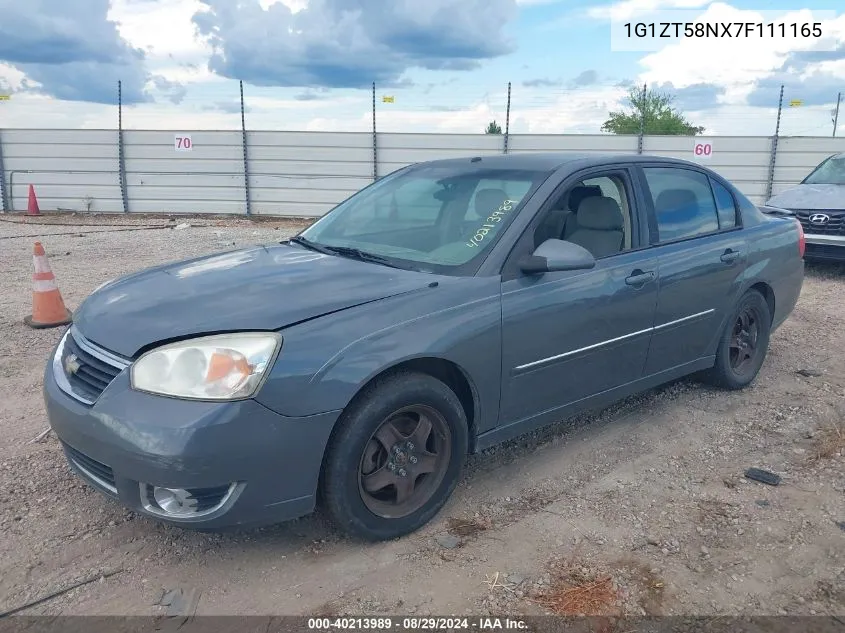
550,161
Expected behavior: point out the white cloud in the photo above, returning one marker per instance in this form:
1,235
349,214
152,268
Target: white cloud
163,27
571,112
294,5
631,8
834,67
735,63
10,78
744,121
164,30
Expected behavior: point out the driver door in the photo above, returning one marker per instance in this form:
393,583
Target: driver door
567,336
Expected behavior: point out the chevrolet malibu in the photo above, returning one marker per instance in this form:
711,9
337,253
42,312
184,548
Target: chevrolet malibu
443,309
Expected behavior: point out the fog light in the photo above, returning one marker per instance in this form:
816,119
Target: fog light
175,501
188,503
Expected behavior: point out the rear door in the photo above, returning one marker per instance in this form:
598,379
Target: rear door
701,250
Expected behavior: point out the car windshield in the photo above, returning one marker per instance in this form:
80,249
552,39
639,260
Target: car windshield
434,218
830,172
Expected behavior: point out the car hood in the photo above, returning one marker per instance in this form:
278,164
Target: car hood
262,288
829,197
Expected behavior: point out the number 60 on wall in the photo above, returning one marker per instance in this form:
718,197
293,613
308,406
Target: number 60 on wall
703,150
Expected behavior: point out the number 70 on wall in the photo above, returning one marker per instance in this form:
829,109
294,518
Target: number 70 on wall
183,143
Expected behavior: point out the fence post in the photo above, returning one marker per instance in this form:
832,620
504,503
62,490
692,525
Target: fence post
121,157
508,118
4,202
771,178
375,144
642,122
246,157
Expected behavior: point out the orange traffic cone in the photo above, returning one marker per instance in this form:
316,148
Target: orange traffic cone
48,307
32,204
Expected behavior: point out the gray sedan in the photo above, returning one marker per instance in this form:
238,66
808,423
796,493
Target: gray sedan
819,204
445,308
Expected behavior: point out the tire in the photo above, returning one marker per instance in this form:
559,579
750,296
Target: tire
362,455
728,372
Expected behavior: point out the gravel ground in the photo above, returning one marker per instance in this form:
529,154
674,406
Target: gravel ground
646,498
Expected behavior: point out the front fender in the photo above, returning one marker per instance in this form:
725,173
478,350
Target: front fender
325,362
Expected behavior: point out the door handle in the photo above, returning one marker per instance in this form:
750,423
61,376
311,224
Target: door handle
639,277
730,256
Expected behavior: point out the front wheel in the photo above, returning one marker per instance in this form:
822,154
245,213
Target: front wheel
744,343
395,458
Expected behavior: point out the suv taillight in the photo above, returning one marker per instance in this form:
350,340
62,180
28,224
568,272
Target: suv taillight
802,243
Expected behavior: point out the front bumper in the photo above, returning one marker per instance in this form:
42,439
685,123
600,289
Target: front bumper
253,465
828,247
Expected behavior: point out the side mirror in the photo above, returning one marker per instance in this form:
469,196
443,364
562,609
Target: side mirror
555,255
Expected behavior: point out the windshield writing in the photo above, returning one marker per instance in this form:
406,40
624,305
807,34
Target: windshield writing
492,219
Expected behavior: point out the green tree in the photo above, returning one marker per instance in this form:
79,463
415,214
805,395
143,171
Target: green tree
654,111
493,128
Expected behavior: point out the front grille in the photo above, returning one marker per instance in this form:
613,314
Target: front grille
834,226
89,373
95,470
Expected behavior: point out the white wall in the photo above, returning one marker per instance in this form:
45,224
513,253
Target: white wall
306,173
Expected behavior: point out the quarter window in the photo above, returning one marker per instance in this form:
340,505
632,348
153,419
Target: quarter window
683,203
724,205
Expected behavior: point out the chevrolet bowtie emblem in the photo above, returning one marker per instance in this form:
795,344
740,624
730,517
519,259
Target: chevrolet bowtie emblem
72,364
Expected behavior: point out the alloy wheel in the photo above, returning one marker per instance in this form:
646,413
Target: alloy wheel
404,461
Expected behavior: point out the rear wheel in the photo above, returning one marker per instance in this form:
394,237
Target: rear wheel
744,343
396,457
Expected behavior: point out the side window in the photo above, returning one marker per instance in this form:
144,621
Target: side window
594,213
683,202
608,188
724,205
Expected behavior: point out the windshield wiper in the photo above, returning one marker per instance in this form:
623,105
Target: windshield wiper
343,251
357,253
304,241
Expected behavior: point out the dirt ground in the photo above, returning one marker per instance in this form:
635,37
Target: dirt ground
644,504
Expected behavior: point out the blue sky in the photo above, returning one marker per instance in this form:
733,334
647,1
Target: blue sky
308,64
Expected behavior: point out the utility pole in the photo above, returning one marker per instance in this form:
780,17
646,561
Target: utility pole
247,199
375,137
4,202
773,157
642,121
508,119
121,156
836,113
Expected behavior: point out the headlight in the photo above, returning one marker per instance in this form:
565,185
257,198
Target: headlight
221,367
